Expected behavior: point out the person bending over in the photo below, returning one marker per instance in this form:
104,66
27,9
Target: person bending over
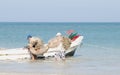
36,47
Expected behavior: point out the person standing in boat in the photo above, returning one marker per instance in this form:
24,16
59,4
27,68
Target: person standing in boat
55,42
35,46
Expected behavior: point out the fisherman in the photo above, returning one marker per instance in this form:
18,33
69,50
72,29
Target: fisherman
55,42
36,46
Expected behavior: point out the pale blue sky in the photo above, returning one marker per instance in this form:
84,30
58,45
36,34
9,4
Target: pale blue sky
59,10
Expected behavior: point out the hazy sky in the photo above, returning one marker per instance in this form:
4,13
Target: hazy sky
59,10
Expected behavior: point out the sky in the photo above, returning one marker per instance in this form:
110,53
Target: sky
59,10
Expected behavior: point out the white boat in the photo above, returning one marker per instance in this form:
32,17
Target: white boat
20,53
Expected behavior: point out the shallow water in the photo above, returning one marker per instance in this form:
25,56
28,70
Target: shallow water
103,62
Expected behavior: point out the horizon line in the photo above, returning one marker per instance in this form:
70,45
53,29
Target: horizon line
52,22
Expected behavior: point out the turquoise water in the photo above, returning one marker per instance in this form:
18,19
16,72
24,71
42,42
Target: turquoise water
102,34
99,54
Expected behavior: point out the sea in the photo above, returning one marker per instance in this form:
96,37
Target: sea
99,53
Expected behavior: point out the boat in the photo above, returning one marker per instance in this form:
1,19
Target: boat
21,53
